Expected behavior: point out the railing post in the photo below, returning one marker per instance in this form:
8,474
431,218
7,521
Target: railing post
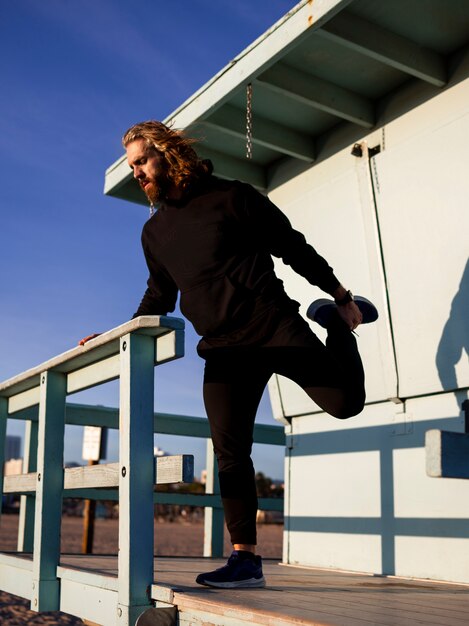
3,432
28,503
135,562
214,520
49,487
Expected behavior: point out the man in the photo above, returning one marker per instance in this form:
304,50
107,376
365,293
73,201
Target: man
212,241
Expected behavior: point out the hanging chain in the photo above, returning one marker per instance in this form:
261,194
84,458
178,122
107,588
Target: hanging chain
375,172
249,121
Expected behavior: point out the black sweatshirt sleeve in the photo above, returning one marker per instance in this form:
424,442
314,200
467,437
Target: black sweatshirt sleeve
161,293
279,238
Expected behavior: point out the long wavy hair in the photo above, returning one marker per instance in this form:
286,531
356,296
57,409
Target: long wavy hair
183,165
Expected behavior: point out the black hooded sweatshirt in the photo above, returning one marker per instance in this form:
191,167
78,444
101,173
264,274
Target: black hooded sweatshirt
215,246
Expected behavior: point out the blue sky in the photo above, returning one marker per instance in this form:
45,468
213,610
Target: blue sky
75,75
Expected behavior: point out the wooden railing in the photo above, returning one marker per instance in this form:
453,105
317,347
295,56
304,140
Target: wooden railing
163,423
38,396
130,353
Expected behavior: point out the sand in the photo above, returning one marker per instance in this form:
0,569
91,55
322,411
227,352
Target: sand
171,539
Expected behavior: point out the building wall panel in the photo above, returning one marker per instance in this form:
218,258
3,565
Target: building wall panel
358,495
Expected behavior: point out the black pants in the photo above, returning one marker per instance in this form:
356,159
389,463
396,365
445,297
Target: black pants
234,380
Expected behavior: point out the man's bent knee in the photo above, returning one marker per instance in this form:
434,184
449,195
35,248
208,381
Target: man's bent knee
349,409
347,413
338,402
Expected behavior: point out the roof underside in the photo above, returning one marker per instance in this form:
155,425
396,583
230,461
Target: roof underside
324,64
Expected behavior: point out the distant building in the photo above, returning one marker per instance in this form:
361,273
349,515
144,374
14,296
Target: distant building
159,452
13,467
12,447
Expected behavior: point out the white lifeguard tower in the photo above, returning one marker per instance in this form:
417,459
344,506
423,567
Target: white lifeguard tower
360,133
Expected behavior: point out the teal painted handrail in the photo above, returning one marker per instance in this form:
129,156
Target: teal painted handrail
38,397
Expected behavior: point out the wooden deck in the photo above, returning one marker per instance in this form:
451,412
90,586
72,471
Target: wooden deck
293,595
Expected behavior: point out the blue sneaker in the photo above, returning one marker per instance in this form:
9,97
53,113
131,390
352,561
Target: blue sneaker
320,311
238,572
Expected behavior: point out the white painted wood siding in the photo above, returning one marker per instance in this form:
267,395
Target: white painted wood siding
358,496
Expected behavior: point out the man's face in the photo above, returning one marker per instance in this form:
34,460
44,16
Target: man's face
148,168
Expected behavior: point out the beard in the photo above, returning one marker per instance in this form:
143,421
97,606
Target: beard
156,189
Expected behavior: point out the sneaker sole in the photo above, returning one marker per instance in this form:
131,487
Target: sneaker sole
367,308
246,584
318,304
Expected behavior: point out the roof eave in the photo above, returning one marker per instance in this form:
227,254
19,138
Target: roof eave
285,34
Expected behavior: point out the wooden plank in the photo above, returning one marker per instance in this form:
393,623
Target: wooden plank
93,571
27,414
104,475
178,468
310,596
90,569
386,47
16,575
111,494
185,425
21,483
282,139
160,497
294,595
103,346
337,604
168,469
86,415
189,499
268,609
411,606
49,487
89,602
198,617
164,423
97,373
272,435
24,400
447,454
20,561
135,476
318,94
169,347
